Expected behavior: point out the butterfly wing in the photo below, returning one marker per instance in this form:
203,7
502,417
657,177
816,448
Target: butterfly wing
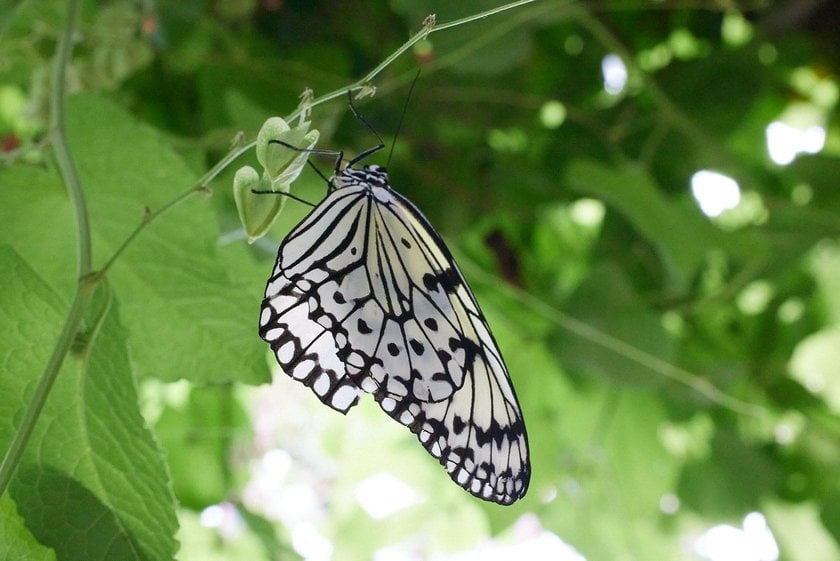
305,349
478,434
349,260
365,296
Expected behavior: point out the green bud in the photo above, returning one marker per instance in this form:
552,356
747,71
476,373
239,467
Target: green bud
257,212
281,166
284,164
274,127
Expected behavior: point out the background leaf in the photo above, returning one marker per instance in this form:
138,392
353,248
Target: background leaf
176,292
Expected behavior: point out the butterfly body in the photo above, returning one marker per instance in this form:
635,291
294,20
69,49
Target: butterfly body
366,298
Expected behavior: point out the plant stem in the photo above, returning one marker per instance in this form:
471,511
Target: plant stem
199,186
482,15
84,286
59,142
42,391
429,27
643,358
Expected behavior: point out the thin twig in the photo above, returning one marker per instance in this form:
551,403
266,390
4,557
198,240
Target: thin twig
482,15
200,186
429,27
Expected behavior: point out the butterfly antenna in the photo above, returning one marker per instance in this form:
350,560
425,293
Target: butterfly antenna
283,194
338,154
402,118
367,125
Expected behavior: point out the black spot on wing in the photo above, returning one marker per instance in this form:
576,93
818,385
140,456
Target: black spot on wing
417,347
363,327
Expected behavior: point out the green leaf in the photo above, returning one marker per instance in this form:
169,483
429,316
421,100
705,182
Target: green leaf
607,302
734,475
814,364
30,200
798,531
720,109
682,237
266,533
202,433
612,472
92,483
15,540
830,514
201,543
187,317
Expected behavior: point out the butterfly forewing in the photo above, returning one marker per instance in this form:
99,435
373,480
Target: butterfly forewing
365,297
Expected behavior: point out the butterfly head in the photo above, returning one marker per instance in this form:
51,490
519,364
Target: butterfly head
371,175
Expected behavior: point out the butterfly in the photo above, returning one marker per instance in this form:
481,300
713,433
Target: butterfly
365,298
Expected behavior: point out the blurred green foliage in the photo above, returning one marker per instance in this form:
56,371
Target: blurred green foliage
676,370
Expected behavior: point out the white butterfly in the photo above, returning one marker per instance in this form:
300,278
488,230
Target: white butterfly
366,298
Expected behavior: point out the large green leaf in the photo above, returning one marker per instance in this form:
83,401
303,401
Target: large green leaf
607,302
92,483
734,475
613,472
186,316
682,235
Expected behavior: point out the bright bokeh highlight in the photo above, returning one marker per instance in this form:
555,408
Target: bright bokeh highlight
552,114
753,541
310,544
224,518
614,72
383,494
785,142
530,542
715,192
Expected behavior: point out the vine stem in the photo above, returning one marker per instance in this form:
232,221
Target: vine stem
84,285
429,27
200,186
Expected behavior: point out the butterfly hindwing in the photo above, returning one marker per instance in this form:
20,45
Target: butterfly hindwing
365,297
478,434
305,349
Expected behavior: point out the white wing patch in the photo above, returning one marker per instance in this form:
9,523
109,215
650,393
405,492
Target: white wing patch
306,350
365,297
